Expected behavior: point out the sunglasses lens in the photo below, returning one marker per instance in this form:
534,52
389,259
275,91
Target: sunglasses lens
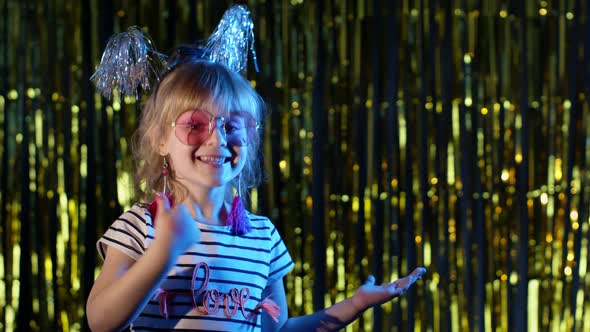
192,127
240,129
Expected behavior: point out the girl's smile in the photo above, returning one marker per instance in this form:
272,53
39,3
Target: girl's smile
214,161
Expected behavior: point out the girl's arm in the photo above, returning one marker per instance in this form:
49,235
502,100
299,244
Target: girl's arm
340,314
124,286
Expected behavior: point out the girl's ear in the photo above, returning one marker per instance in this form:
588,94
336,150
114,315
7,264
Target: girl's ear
162,145
163,148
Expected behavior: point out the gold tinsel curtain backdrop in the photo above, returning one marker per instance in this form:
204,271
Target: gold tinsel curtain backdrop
449,134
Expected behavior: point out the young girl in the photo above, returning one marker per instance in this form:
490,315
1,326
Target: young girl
195,259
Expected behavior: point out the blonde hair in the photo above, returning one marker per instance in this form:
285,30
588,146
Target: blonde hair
190,85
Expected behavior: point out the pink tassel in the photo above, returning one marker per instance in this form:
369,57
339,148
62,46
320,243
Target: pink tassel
271,308
237,219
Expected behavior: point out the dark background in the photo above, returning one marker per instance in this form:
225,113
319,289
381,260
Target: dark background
449,134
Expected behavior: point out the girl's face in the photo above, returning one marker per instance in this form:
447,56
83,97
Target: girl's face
207,149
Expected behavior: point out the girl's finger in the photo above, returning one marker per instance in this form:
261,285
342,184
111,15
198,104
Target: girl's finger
418,272
370,280
163,202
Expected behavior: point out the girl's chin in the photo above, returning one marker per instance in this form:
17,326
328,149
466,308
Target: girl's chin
204,187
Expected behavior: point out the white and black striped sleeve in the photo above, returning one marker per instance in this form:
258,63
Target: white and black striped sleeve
280,262
128,234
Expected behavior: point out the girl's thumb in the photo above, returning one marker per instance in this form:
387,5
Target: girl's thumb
163,202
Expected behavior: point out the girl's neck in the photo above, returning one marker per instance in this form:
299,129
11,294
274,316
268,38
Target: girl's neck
208,206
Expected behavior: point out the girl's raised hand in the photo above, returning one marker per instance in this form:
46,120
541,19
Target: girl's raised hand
369,294
176,230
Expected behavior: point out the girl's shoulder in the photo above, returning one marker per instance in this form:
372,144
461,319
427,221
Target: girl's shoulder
259,222
138,213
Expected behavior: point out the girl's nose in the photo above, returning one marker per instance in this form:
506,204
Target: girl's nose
218,132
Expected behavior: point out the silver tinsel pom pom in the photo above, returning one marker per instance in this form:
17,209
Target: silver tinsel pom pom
128,62
231,40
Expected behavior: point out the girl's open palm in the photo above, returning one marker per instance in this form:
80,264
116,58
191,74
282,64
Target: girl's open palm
369,294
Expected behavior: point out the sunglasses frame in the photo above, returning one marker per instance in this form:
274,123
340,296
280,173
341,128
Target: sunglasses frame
213,119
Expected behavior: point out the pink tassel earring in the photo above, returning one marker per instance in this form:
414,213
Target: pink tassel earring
237,219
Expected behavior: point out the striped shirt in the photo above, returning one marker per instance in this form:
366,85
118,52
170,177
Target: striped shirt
226,269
